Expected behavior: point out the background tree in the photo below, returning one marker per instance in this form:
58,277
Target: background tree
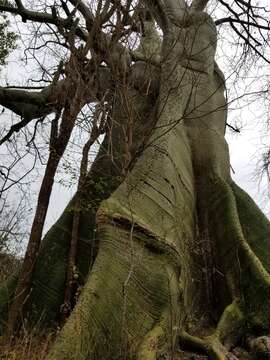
8,38
175,251
12,235
12,216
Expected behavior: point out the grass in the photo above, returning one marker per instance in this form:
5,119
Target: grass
27,347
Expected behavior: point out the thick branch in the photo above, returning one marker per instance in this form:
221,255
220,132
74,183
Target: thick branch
84,10
32,105
158,11
176,10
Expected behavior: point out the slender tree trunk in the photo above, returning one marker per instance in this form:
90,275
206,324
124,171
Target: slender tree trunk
58,143
24,282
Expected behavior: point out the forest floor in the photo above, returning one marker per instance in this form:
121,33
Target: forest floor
37,348
33,347
27,348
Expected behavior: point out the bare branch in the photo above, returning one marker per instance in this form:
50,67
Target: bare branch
249,44
248,21
233,128
158,11
229,19
14,128
84,10
30,104
42,17
45,101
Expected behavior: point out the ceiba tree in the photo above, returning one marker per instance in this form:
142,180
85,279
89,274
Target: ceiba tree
172,251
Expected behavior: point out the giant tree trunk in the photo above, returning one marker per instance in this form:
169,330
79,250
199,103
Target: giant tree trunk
177,259
183,253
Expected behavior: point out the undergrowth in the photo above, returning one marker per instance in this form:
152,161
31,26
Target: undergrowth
28,346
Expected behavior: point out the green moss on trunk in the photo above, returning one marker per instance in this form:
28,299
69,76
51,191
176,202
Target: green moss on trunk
124,297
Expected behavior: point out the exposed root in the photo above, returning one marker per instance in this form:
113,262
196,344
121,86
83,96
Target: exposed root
230,327
228,332
247,278
152,344
210,345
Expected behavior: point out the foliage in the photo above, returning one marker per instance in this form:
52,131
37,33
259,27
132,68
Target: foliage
7,39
